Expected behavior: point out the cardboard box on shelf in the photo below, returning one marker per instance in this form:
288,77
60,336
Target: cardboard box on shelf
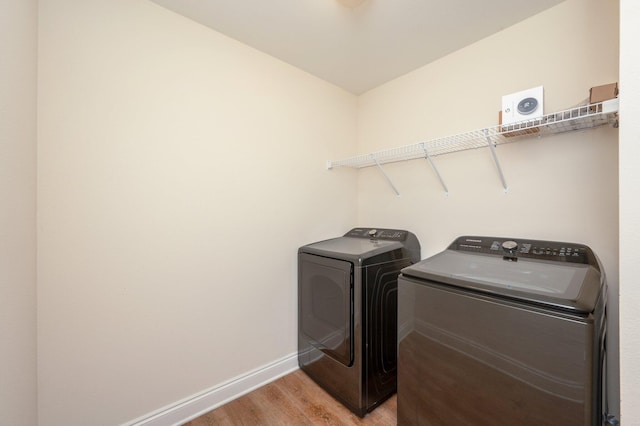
603,93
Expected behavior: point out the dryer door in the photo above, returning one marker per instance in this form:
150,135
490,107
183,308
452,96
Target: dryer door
325,305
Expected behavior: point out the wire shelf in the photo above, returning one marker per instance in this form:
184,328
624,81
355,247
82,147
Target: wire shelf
579,118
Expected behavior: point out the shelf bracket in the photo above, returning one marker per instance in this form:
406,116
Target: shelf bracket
386,176
435,169
492,147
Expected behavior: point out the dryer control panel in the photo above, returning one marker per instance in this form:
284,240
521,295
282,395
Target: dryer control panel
378,234
514,248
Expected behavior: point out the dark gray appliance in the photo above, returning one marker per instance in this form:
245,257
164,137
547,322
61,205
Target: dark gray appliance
347,313
501,331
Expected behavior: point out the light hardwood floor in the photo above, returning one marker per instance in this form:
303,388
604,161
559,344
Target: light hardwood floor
294,399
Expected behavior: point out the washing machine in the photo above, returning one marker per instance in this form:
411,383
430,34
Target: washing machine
347,313
502,331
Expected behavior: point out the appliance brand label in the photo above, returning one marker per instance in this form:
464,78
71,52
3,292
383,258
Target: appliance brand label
470,246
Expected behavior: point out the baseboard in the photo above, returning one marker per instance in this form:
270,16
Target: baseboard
196,405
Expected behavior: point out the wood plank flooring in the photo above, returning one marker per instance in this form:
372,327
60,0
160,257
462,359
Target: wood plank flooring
294,399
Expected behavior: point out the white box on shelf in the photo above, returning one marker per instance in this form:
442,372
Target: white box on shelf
522,106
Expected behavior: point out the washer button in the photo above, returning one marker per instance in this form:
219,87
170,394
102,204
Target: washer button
509,246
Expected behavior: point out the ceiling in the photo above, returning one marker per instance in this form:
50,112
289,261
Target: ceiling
360,48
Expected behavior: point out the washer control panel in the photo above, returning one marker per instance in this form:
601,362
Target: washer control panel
378,234
513,248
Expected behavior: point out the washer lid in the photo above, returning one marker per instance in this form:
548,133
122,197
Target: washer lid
572,286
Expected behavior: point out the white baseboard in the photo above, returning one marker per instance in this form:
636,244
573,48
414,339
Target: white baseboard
196,405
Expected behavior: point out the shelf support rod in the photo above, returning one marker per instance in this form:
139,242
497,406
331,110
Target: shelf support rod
386,176
495,159
435,169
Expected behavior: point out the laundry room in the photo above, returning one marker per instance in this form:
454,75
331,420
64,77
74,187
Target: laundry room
162,176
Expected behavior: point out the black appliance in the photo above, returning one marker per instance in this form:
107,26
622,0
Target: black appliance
502,331
347,313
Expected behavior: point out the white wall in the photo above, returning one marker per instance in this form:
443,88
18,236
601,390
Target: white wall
560,188
18,37
629,211
178,173
143,114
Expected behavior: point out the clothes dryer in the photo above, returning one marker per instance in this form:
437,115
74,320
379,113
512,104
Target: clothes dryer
347,313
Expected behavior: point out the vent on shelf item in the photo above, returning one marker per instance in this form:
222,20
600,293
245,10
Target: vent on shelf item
524,105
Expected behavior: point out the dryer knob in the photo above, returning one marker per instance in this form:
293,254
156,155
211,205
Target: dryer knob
373,232
510,246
